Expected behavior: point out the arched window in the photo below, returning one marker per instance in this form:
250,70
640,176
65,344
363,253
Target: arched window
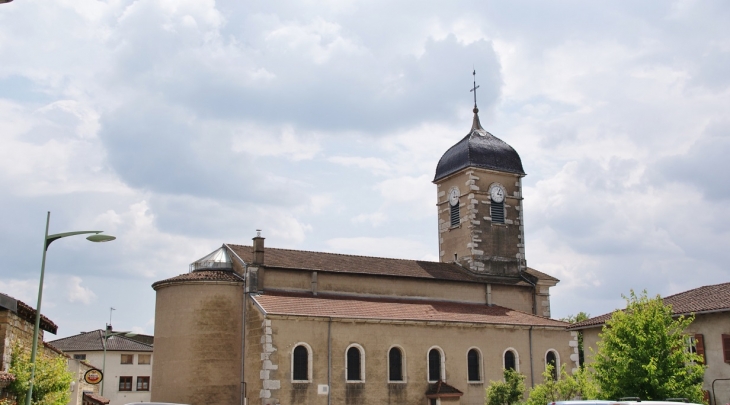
395,365
355,364
435,365
474,365
510,360
301,366
551,358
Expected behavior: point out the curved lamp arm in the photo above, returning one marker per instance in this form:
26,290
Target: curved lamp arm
94,238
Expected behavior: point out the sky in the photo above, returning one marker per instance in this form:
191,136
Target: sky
180,125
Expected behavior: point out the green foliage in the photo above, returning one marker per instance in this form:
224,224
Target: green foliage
506,392
52,379
578,385
642,353
579,317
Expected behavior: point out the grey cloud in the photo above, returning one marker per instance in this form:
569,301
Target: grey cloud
704,166
363,89
156,147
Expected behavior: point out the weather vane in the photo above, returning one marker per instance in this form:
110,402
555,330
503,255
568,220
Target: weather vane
474,89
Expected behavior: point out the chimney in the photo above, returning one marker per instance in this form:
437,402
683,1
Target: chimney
109,327
258,248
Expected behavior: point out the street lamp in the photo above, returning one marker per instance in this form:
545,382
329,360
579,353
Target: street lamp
107,335
97,237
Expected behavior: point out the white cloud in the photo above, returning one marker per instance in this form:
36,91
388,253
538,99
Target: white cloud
288,145
399,248
77,293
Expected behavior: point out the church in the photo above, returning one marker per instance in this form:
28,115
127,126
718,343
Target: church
254,324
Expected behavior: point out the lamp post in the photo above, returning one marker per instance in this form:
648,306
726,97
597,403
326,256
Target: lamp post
107,335
48,239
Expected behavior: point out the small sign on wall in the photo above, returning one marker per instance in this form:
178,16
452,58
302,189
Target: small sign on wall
323,389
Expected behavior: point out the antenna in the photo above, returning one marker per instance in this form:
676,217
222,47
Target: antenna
110,314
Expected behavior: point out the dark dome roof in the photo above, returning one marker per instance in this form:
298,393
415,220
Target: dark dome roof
479,149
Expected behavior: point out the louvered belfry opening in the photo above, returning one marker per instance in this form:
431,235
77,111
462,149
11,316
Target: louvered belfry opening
301,363
434,365
353,364
455,215
497,212
473,365
395,365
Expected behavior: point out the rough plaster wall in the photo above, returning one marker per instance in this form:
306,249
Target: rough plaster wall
377,338
197,343
401,287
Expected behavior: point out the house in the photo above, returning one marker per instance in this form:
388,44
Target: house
261,325
709,334
127,364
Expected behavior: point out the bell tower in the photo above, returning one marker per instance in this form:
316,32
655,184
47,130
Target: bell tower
479,199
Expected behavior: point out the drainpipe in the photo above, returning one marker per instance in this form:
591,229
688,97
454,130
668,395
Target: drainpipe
329,361
532,372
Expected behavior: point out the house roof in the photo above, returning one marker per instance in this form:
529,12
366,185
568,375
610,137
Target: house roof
26,312
540,275
709,298
479,149
202,275
96,399
442,390
92,341
379,266
348,307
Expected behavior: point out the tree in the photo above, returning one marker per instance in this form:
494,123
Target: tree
579,317
578,385
52,379
506,392
643,353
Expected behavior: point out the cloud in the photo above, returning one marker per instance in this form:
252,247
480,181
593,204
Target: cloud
78,293
386,246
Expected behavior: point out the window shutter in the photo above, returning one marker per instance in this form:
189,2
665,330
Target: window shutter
726,347
700,346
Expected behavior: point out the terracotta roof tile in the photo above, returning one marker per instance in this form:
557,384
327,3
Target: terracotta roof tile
92,341
96,398
540,275
381,266
326,305
203,275
703,299
28,313
442,390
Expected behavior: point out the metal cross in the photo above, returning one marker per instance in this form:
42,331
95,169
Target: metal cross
474,89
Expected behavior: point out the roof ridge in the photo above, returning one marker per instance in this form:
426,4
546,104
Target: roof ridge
341,254
695,289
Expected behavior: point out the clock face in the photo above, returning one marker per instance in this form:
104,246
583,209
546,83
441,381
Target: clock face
454,196
497,194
